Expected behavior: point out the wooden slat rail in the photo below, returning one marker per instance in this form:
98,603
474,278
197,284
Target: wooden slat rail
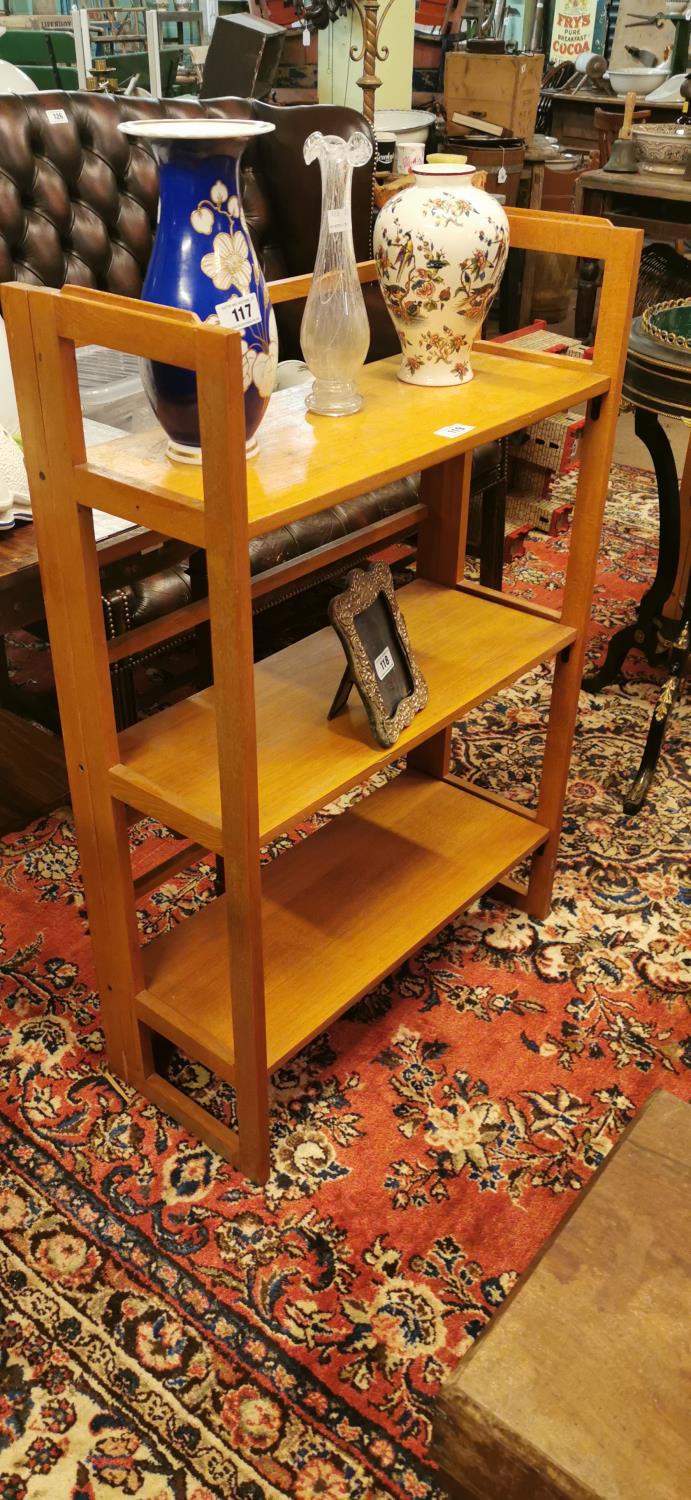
172,514
182,859
192,1117
488,796
399,524
197,613
143,329
529,229
510,601
143,637
292,288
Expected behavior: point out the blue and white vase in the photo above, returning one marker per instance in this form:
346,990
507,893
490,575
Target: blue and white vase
203,260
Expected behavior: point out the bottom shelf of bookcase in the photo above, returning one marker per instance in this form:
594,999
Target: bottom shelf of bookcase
340,911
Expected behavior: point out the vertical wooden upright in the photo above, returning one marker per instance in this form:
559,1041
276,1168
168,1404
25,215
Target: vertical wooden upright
222,418
445,490
71,590
44,364
597,447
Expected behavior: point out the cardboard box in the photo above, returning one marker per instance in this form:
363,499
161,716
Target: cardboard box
501,88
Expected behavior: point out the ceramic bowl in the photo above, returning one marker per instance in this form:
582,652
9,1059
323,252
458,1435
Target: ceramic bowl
660,149
641,80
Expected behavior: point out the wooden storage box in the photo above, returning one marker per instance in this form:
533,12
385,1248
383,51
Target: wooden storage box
502,89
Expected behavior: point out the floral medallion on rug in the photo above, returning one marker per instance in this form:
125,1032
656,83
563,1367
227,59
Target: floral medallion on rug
170,1332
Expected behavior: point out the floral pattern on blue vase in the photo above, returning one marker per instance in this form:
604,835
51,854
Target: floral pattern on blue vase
203,260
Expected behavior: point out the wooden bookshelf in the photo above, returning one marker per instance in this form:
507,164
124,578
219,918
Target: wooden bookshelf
246,981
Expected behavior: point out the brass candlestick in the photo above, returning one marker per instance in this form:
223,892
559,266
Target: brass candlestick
370,52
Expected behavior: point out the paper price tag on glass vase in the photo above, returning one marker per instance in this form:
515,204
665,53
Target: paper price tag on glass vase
239,312
338,220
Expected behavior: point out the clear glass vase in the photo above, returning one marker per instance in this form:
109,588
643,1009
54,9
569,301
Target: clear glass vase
335,330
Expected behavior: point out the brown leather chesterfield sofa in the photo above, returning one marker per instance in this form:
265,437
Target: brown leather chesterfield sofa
78,205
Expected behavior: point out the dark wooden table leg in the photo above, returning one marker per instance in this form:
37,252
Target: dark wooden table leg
670,695
5,688
493,525
644,631
199,586
199,589
510,292
589,272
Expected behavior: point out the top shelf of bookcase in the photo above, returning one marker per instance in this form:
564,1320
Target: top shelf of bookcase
307,463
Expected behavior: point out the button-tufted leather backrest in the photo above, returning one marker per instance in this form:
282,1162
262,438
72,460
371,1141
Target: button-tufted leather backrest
79,200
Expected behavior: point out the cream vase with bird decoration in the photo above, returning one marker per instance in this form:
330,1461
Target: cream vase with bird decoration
440,249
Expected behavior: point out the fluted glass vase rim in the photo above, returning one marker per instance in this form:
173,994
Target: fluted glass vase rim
351,151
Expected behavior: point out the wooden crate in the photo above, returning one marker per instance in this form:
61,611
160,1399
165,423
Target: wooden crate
578,1389
503,89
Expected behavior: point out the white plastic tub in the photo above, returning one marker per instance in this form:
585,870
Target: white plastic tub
110,385
406,124
640,81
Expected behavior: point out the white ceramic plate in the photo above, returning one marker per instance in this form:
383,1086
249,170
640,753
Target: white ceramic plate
196,130
670,89
14,81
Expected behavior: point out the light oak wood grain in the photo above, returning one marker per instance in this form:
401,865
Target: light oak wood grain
339,911
168,765
595,462
306,462
350,903
143,637
222,423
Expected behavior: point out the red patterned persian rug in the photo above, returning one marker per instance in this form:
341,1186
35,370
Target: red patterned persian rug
170,1332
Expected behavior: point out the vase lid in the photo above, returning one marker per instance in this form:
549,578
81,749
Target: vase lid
164,131
443,173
